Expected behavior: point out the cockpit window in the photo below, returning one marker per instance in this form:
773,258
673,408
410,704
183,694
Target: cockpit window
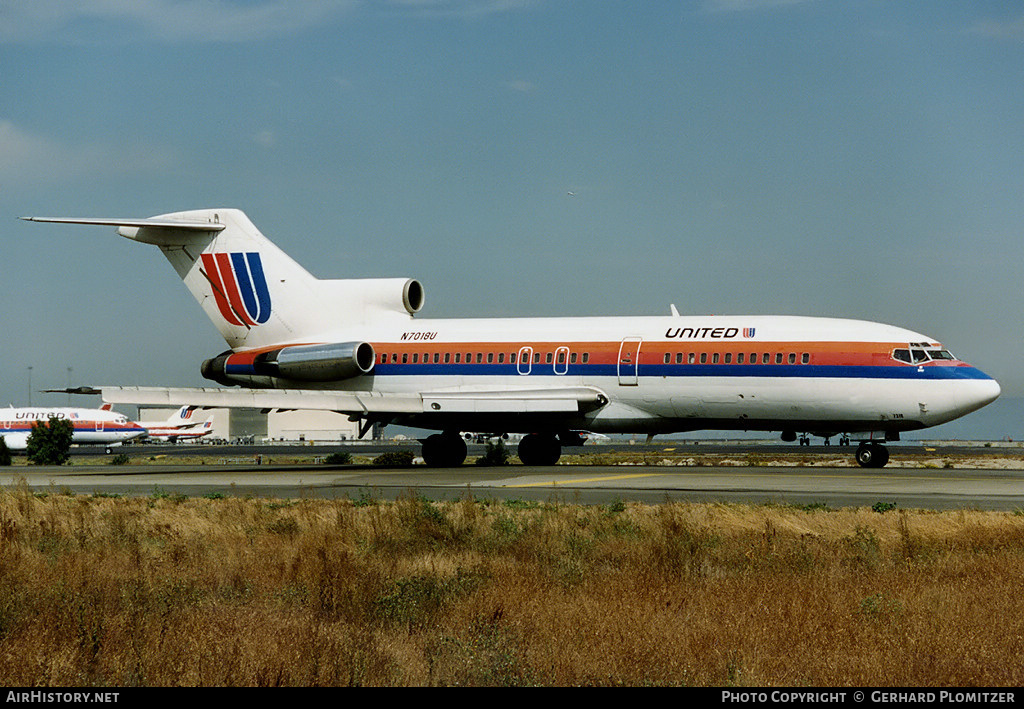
915,353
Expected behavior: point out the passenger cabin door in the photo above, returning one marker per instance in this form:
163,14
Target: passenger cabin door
629,359
524,365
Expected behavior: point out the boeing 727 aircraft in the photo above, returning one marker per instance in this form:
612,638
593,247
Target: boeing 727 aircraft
91,426
357,347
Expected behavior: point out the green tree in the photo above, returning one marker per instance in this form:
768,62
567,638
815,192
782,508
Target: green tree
50,442
5,452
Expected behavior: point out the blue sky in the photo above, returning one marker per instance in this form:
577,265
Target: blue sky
845,158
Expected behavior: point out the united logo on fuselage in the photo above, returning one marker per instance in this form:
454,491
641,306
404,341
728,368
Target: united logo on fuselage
239,287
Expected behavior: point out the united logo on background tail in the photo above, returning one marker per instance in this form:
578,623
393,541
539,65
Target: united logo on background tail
239,287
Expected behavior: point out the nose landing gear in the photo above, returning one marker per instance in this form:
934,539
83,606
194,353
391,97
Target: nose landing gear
872,455
539,449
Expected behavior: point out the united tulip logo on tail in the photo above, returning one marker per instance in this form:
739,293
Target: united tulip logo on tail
239,287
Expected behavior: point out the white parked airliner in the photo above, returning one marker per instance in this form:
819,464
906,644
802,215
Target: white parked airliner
91,426
356,347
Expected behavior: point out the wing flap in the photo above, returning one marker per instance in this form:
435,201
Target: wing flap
561,400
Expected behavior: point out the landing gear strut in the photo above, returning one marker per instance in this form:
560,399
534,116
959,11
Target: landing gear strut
444,450
872,455
539,449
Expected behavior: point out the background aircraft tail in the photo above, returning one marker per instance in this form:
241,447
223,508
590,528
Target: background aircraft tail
181,417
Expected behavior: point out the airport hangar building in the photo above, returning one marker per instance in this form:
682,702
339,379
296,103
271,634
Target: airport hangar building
256,426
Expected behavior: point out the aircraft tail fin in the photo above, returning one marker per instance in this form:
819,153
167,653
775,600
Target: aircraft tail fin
181,416
253,292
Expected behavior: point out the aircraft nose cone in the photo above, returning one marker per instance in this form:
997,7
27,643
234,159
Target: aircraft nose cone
977,393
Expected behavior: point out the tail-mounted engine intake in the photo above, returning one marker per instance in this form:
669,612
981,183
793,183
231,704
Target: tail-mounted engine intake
371,296
305,363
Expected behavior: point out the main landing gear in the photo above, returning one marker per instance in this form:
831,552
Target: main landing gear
444,450
448,449
539,449
872,455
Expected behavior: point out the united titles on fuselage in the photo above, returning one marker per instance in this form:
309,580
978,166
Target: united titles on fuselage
703,333
39,415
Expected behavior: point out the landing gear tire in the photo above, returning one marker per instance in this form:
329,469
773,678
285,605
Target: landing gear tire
872,455
539,449
443,450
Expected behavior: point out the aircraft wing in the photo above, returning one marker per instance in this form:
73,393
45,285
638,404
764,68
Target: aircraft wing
213,398
569,400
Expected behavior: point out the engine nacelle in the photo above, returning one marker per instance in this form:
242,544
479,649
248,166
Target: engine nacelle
306,363
372,296
318,363
413,296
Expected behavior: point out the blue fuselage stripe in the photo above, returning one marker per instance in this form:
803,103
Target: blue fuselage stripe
806,371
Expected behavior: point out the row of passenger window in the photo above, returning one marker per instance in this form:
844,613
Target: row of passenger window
740,358
562,356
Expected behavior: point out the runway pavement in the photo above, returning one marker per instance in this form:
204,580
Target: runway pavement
223,474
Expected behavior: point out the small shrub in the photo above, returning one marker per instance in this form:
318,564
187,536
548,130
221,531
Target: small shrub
120,459
5,453
161,494
395,459
366,499
616,507
284,526
339,458
495,454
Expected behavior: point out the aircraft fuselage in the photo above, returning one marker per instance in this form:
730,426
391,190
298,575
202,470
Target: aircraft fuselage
668,374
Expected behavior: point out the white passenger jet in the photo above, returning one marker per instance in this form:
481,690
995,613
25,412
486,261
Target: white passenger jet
179,426
91,426
356,347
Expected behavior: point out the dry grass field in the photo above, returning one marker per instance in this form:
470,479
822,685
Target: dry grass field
168,591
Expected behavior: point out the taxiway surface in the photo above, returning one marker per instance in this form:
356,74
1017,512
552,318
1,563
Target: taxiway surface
985,489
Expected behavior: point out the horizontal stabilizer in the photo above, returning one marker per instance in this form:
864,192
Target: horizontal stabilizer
147,223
